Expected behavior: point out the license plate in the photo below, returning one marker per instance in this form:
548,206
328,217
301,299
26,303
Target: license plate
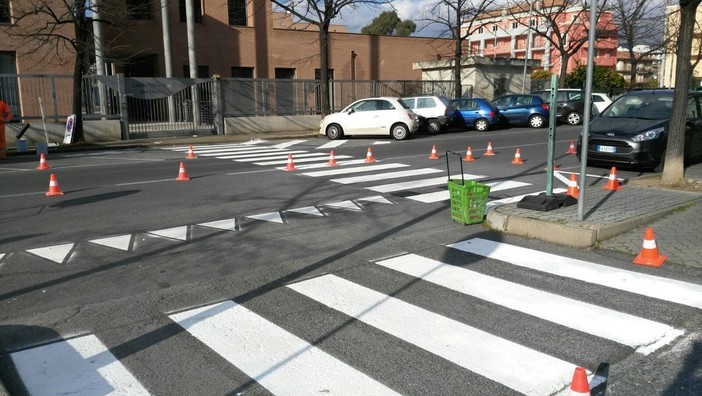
606,149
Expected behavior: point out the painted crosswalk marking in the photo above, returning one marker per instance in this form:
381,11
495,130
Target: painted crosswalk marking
408,185
342,171
520,368
78,366
643,334
385,176
443,195
278,360
332,144
679,292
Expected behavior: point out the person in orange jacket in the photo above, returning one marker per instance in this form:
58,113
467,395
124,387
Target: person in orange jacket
5,116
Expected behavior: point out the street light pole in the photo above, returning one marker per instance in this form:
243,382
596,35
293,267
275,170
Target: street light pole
528,48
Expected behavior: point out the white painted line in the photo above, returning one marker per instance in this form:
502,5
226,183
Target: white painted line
444,194
325,165
408,185
332,144
520,368
278,360
380,142
273,217
348,205
375,198
341,171
288,144
258,156
180,233
120,242
310,210
562,178
385,176
665,289
642,334
231,150
226,224
2,255
296,159
79,366
57,253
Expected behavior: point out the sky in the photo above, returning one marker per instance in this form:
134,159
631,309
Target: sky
406,9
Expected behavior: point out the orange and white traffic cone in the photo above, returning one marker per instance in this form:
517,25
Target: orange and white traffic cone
42,163
517,158
469,156
182,175
489,149
191,153
290,166
332,159
613,182
649,252
579,385
571,149
434,155
573,189
369,156
53,187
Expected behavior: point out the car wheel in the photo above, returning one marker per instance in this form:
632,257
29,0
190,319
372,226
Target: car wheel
399,131
334,131
573,118
481,125
433,126
536,121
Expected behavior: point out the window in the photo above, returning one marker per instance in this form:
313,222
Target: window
237,12
10,85
197,10
494,28
515,25
5,11
139,9
242,72
480,30
425,103
692,111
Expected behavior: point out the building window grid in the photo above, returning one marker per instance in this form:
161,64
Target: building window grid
139,9
197,10
5,11
237,12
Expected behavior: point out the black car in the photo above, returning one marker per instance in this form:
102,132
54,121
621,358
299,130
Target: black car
634,130
569,104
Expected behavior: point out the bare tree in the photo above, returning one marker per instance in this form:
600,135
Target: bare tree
458,19
321,14
640,24
674,166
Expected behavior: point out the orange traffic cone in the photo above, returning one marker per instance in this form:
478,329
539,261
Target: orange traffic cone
613,182
191,153
182,175
42,163
434,155
573,189
53,187
571,149
290,166
517,158
332,160
369,156
579,385
649,252
489,149
469,156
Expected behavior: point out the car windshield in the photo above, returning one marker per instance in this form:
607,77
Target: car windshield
646,107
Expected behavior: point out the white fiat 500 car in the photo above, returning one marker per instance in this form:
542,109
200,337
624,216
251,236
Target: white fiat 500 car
371,116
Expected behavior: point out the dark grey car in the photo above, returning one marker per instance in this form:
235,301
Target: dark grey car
634,130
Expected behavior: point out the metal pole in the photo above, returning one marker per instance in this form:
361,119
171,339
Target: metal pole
528,48
551,135
167,54
99,57
192,58
588,106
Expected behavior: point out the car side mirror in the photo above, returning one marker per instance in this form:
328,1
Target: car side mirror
351,111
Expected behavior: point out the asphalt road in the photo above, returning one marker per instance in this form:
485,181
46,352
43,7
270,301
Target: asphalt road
128,253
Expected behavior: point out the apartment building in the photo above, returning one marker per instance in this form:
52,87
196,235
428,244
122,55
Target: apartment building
647,67
670,56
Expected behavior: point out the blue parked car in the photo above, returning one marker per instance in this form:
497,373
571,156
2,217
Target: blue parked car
523,110
473,112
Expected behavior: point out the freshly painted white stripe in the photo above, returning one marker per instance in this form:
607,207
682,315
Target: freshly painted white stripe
57,253
379,142
643,334
278,360
180,232
332,144
310,210
226,224
408,185
230,150
79,366
2,255
375,198
208,146
342,171
349,205
288,144
679,292
297,159
263,155
515,366
304,154
443,195
120,242
273,217
562,178
325,165
385,176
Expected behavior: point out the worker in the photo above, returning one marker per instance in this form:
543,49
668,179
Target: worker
5,116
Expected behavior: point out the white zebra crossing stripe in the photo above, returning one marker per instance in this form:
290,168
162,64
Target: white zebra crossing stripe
79,366
288,144
278,360
408,185
644,334
332,144
385,176
262,155
515,366
304,154
326,165
443,195
342,171
665,289
297,159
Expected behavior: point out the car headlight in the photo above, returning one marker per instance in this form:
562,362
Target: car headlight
648,135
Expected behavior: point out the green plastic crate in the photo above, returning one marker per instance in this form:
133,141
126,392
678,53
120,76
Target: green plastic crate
468,200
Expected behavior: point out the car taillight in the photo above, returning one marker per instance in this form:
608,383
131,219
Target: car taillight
491,114
410,115
544,106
